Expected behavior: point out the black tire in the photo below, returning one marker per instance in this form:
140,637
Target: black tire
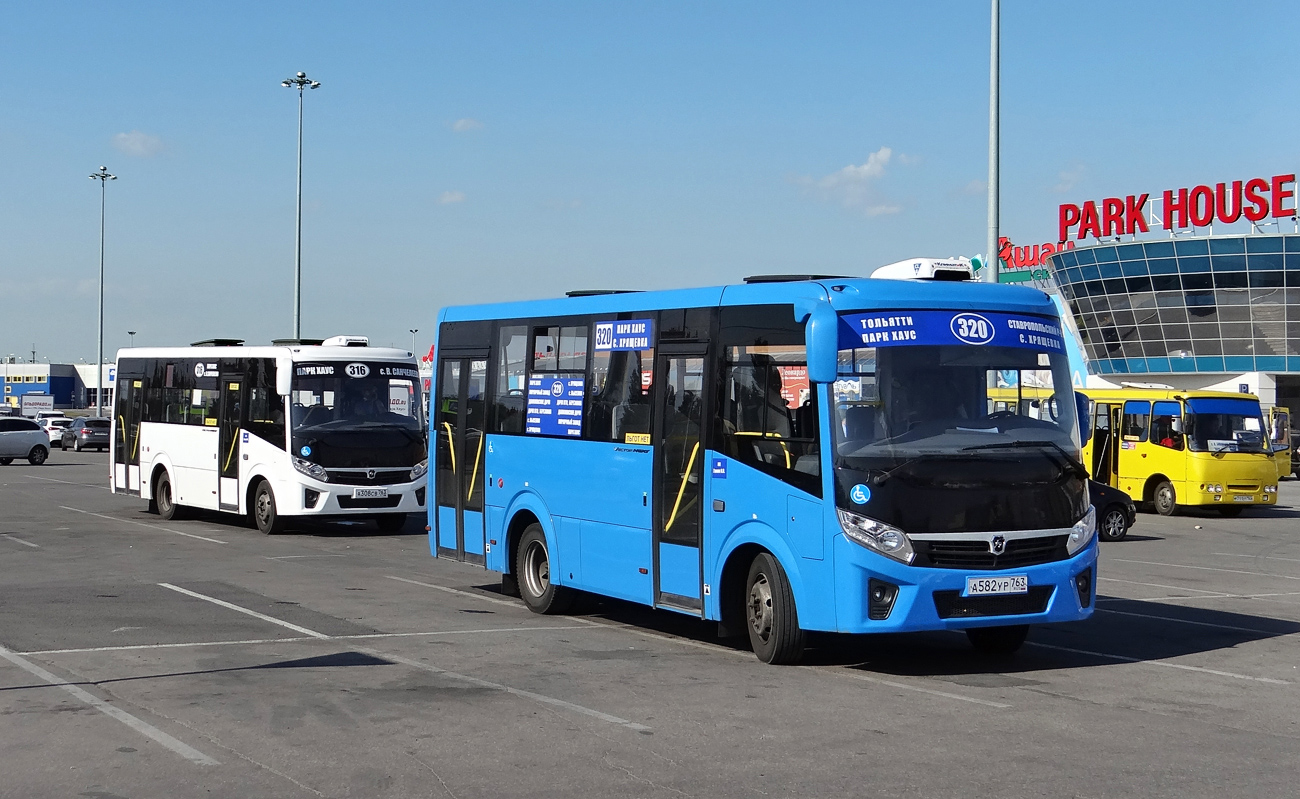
391,522
77,446
264,512
1112,525
1231,510
533,570
6,461
998,640
772,620
38,455
164,499
61,444
1164,499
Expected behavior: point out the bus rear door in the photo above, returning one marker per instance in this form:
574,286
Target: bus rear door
679,438
228,425
126,440
459,415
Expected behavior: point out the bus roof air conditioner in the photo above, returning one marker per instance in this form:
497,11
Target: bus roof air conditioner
927,269
346,341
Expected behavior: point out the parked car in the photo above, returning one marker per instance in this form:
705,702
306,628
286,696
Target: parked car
1115,511
88,432
54,426
23,438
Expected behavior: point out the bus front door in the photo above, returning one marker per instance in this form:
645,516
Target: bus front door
228,416
126,442
458,419
678,489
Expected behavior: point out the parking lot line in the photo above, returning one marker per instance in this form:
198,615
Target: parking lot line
66,483
1205,568
245,611
143,524
1255,630
853,675
470,594
548,700
112,711
1162,585
19,540
1261,557
1165,663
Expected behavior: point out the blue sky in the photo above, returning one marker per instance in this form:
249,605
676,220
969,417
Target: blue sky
480,151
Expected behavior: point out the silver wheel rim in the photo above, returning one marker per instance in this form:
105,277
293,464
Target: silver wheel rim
537,569
164,496
1114,524
264,508
759,608
1164,497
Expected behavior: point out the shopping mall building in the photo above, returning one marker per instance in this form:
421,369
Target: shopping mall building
1191,288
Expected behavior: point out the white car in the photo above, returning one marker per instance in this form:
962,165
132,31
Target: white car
54,425
23,438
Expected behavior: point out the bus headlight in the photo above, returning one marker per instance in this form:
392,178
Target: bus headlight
1082,532
420,469
313,470
876,536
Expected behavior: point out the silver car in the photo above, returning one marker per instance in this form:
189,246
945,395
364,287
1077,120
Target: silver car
23,438
86,433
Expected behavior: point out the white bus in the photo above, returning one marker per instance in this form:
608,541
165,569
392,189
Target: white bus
326,429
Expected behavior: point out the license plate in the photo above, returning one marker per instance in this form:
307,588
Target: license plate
1010,584
1243,498
370,493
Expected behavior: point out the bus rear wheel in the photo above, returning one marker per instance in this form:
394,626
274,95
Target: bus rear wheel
773,622
264,513
164,499
998,640
533,568
1164,498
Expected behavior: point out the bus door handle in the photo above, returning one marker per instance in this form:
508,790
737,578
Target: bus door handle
719,505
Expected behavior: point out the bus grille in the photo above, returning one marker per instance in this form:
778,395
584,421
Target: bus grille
1249,488
1020,552
952,605
385,477
390,501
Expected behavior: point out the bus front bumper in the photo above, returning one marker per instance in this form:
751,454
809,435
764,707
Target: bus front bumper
314,498
936,599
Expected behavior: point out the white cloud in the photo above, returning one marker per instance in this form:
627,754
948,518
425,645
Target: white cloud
137,144
466,125
451,197
854,185
1068,178
975,187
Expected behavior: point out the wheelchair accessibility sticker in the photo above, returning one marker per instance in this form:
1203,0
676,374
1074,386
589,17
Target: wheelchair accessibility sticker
860,494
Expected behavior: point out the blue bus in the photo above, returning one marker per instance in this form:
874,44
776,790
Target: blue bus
797,453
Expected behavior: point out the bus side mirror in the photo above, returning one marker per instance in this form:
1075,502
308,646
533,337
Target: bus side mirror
283,376
822,334
1083,409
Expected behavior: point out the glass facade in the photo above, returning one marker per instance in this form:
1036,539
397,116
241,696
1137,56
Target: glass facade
1229,304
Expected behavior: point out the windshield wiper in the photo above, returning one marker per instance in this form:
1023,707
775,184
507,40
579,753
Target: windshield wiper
1078,468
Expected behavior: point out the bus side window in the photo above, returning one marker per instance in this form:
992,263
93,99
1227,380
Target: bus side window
509,394
1163,433
1136,420
618,405
265,410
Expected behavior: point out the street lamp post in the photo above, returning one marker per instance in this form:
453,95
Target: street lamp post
103,177
413,330
131,333
992,263
300,81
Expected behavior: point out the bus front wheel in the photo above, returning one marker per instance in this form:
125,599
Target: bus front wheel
533,568
998,640
1164,498
265,516
164,500
773,622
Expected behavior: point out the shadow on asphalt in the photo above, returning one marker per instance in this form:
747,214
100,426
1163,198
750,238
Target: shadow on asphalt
1126,629
343,528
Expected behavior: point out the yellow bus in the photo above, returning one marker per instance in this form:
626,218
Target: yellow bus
1169,448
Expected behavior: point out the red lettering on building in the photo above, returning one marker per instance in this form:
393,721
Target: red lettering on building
1023,257
1200,206
1221,202
1280,195
1259,202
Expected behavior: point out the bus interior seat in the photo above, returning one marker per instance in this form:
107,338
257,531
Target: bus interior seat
860,424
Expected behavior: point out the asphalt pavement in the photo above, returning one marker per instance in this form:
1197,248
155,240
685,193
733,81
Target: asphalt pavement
143,658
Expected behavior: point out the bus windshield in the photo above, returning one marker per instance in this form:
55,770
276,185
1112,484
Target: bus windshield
1224,425
374,418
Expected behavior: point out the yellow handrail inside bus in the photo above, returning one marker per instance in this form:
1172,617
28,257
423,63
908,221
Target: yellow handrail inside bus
451,445
230,456
474,474
680,491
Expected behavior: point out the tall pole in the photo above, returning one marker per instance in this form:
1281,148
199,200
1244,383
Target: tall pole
301,81
992,261
103,177
413,330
